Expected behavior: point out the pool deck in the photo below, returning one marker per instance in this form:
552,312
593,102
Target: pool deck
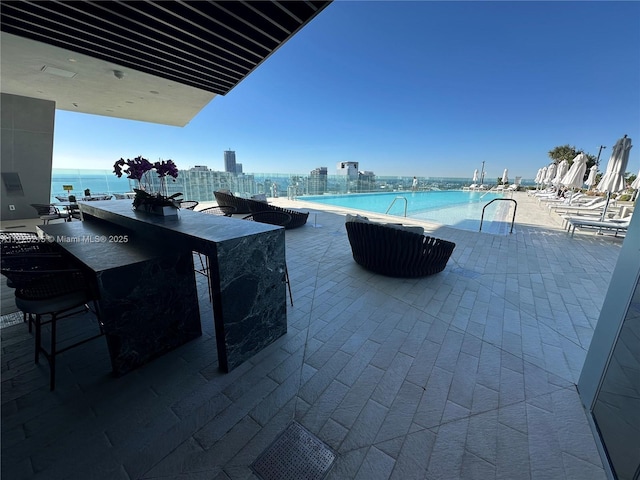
467,374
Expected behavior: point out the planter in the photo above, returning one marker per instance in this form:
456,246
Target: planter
161,210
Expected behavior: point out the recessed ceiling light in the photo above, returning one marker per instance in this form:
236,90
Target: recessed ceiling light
58,72
72,60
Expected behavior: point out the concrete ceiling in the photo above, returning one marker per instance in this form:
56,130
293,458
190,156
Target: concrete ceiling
154,61
33,69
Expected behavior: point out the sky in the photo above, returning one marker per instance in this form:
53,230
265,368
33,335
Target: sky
423,88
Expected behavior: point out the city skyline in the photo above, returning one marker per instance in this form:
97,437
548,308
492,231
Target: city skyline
431,89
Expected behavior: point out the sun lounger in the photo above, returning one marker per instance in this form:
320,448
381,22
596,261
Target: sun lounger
596,204
610,225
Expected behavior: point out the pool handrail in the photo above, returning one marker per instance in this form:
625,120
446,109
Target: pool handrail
394,201
514,211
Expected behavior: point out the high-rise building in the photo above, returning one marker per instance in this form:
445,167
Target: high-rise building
239,168
318,181
230,161
348,169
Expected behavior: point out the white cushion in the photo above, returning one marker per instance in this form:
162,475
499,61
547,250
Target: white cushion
407,228
357,218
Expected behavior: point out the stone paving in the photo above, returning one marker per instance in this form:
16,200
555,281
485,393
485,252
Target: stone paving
467,374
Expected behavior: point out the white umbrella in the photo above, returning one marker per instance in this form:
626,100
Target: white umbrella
613,179
543,175
636,183
636,186
475,176
551,173
562,169
591,180
538,175
574,178
505,176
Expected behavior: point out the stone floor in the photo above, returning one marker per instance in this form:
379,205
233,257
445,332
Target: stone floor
467,374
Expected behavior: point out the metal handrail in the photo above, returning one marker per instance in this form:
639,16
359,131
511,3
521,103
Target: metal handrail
501,199
394,201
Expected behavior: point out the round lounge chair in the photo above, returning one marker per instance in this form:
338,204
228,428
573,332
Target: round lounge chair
392,251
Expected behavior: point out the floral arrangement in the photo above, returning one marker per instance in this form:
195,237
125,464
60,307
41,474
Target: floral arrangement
140,169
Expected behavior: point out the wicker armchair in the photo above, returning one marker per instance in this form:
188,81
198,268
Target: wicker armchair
298,219
222,211
225,199
394,252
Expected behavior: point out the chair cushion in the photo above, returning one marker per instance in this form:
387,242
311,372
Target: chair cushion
49,305
398,226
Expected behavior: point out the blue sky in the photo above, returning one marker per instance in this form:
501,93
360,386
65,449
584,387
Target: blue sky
408,88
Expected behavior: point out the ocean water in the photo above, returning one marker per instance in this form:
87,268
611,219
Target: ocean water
97,181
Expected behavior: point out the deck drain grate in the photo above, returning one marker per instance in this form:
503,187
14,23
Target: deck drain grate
295,455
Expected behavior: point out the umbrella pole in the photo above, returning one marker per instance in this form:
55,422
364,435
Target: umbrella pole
606,206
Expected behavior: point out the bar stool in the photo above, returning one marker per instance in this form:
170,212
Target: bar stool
21,253
56,294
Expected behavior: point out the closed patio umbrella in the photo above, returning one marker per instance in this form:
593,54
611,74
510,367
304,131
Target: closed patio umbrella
574,178
613,179
537,179
551,173
636,183
591,180
475,176
636,186
543,175
505,176
562,169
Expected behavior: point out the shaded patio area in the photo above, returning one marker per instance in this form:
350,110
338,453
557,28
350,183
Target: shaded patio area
469,373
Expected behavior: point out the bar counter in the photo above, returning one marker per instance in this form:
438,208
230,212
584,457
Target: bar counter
247,262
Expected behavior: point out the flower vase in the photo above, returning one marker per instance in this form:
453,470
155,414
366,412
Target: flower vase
161,210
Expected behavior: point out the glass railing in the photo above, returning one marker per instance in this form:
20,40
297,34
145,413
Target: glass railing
199,185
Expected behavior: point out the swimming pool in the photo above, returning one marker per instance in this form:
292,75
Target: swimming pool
456,208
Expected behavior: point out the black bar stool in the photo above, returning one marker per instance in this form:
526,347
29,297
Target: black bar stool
56,294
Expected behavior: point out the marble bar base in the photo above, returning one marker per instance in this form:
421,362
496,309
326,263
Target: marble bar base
147,296
148,309
247,270
248,287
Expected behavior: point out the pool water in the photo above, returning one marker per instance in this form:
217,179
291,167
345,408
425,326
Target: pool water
456,208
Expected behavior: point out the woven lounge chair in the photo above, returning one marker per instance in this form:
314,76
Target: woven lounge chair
392,251
227,199
218,210
298,219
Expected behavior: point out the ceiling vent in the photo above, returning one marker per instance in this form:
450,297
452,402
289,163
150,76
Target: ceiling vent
58,72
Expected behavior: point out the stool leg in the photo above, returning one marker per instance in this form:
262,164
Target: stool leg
286,277
38,338
52,355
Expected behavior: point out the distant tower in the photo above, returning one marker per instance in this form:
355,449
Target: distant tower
348,169
318,181
230,161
